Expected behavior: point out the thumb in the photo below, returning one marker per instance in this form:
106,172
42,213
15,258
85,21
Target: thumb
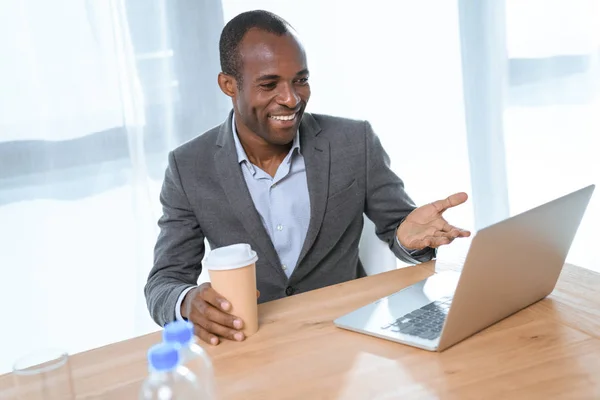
450,201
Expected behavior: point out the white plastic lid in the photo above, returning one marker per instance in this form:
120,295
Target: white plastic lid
230,257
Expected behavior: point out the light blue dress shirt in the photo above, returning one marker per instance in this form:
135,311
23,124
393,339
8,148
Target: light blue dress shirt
282,201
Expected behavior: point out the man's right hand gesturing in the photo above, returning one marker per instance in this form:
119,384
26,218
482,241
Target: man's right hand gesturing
207,310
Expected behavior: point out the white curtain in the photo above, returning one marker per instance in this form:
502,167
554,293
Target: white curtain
65,67
532,95
498,99
93,94
552,115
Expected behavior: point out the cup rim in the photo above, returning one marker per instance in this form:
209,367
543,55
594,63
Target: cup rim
56,358
218,264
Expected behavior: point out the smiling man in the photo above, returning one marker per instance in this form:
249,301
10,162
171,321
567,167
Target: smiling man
293,185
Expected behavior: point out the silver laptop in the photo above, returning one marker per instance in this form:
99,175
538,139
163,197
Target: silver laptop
510,265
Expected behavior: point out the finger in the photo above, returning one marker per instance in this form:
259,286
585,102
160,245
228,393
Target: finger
451,228
439,227
257,293
435,242
449,232
440,233
450,201
206,336
438,238
220,330
432,241
464,233
453,234
450,235
204,310
215,315
456,233
211,296
447,227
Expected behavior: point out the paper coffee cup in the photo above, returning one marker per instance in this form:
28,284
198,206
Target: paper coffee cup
232,271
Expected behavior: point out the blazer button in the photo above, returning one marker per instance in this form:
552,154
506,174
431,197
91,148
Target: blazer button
289,290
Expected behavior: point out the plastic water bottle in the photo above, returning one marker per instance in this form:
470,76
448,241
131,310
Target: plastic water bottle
193,356
168,380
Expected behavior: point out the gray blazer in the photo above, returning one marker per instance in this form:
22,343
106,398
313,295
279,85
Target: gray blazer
204,195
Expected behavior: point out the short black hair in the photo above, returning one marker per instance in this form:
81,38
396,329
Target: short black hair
236,29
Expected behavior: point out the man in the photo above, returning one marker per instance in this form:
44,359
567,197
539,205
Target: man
291,184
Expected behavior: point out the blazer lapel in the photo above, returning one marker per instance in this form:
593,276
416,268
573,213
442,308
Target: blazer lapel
238,195
315,150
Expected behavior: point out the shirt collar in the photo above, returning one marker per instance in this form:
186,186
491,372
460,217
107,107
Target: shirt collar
241,153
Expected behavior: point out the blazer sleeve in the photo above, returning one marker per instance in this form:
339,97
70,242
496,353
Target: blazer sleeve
387,203
178,251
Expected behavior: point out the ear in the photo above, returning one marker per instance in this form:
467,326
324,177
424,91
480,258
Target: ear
228,84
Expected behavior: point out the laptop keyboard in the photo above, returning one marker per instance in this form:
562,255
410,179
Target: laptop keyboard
425,322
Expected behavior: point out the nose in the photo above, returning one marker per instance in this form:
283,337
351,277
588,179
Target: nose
288,96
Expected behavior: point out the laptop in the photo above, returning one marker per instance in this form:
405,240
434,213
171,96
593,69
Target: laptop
510,265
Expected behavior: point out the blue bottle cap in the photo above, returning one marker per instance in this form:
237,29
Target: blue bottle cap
163,357
179,332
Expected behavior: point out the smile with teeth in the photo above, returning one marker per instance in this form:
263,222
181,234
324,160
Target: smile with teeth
283,117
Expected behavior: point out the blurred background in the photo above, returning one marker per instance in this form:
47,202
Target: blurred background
500,99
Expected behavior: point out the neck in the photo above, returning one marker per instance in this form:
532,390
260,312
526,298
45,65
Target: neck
264,155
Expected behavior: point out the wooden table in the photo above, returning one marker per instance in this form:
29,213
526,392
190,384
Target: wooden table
549,350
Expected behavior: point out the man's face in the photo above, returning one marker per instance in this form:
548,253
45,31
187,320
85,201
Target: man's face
274,90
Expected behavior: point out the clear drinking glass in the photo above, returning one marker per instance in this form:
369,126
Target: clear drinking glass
44,375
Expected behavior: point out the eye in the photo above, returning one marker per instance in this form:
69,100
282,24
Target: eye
303,81
268,86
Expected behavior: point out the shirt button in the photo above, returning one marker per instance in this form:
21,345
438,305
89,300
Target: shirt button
289,290
284,267
273,186
279,227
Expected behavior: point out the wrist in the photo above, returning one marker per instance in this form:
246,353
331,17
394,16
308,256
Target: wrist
185,307
398,236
